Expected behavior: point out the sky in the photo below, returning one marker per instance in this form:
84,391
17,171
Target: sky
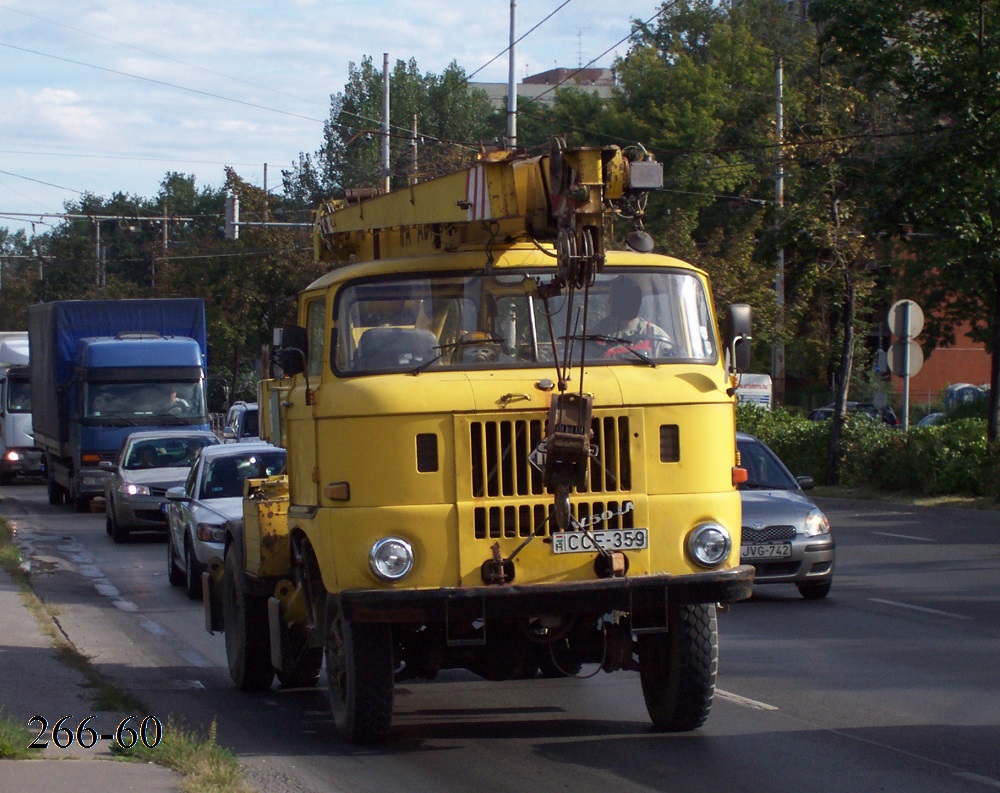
106,97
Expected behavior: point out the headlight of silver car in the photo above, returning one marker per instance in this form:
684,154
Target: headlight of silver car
816,523
128,489
211,532
391,558
709,544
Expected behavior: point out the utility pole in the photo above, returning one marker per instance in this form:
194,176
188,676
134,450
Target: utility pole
778,348
387,180
511,84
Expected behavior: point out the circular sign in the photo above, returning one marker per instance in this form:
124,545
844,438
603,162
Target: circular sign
906,318
911,352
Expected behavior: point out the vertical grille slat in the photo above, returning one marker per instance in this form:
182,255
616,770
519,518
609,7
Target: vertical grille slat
499,449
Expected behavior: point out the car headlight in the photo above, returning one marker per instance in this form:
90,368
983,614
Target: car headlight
391,558
211,532
709,544
13,456
816,523
128,489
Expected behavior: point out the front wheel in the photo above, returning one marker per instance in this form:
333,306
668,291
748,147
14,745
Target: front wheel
192,573
248,639
175,575
57,495
360,671
678,669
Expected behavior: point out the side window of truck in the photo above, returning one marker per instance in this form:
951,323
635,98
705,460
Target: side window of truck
315,329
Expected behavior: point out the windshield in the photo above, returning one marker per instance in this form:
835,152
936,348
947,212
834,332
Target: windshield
764,470
18,395
491,321
224,475
132,400
177,451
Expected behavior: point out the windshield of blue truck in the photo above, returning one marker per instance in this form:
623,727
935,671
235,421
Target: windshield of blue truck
18,395
493,321
142,400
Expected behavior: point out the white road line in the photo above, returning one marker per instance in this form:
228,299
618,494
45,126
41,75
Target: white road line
153,627
904,536
985,780
125,605
736,699
920,608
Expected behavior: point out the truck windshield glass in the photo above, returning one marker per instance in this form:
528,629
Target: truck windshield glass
18,396
463,322
136,400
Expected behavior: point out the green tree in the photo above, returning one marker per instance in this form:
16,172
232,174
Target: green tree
452,119
938,61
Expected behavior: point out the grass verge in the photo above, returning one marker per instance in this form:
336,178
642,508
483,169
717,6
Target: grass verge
14,739
205,766
871,494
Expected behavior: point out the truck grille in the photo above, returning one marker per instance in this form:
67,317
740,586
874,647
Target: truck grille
523,520
499,451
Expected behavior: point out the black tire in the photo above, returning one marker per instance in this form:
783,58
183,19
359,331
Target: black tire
81,503
248,639
815,591
360,672
57,496
678,669
119,533
175,575
192,573
6,478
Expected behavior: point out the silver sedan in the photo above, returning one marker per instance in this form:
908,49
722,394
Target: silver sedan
785,536
148,463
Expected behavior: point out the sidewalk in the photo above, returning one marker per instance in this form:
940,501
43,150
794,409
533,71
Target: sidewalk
35,683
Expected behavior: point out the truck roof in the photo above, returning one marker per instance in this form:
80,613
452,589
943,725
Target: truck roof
14,348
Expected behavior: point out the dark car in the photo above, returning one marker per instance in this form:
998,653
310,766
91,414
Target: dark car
242,423
148,463
785,536
884,413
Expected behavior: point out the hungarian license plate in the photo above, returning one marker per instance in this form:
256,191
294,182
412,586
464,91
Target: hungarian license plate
608,540
777,550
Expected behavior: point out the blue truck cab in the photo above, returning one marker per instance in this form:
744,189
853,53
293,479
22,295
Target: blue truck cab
103,369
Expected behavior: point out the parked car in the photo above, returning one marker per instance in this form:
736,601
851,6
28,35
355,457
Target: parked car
785,536
932,419
212,496
242,423
884,413
148,463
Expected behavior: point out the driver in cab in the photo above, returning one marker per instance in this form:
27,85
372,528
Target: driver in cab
624,330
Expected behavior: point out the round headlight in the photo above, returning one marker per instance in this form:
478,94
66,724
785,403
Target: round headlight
391,558
709,544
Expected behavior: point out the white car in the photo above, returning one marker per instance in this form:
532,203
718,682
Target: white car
212,497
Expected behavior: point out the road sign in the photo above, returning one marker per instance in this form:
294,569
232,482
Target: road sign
906,319
905,358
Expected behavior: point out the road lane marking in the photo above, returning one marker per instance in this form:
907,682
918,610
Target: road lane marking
153,627
920,608
746,703
985,780
904,536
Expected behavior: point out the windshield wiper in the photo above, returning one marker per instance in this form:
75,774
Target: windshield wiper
454,345
626,343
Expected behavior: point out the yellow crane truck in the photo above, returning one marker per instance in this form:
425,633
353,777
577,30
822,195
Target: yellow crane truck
511,449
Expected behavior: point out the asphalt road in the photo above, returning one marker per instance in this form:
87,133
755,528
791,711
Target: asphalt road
890,684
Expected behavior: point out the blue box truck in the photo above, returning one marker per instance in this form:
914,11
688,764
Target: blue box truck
101,369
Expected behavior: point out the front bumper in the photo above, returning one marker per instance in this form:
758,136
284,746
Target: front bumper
509,601
23,462
811,561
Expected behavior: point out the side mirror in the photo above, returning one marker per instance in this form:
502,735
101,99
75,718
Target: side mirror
806,482
292,349
738,337
176,493
106,465
228,434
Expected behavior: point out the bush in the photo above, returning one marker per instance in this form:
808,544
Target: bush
947,459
